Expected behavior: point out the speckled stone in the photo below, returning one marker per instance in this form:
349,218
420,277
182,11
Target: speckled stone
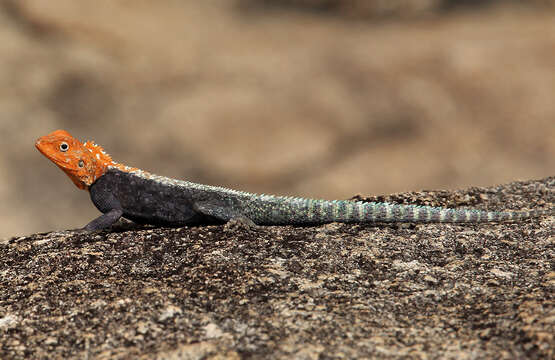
331,291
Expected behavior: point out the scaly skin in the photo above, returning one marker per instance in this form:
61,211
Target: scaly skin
118,190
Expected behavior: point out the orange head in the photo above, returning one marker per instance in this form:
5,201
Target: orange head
83,163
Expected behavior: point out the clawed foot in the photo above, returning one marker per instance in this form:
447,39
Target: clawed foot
240,223
71,232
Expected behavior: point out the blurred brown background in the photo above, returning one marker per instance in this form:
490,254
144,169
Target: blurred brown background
320,98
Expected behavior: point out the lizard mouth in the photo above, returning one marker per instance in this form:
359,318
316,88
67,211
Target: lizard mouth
40,146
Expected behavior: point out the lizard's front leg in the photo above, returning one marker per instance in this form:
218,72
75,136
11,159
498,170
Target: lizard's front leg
104,221
105,200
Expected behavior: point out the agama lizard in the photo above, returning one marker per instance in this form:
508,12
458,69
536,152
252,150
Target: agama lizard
118,190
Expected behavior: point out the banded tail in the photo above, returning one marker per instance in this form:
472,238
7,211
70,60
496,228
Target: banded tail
283,210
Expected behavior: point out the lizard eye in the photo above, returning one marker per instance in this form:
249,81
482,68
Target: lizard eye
64,147
81,163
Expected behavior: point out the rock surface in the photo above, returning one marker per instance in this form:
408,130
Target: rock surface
331,291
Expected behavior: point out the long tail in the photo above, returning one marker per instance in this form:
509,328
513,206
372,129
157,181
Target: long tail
385,212
282,210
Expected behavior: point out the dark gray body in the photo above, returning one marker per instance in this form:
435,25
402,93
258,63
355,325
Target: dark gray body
146,198
144,201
